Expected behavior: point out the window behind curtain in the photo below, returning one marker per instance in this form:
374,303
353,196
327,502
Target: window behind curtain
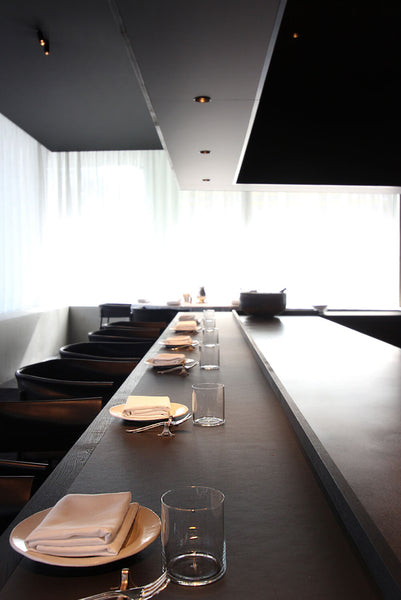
90,227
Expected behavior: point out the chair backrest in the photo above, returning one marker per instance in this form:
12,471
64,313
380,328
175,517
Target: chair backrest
153,314
73,378
109,310
127,350
43,425
150,333
100,336
160,325
15,491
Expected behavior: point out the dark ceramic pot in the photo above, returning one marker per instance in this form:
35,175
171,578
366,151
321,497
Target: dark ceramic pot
263,304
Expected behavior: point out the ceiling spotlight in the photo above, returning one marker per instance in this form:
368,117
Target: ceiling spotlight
41,38
204,151
202,99
43,42
205,179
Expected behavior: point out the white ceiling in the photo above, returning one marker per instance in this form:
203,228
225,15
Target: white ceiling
220,49
122,74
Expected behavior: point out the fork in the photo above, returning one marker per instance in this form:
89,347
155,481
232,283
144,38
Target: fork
143,592
159,424
166,429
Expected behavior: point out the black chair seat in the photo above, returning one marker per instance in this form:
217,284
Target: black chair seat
130,350
73,378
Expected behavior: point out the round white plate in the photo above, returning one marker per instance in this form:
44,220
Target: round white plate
145,530
177,410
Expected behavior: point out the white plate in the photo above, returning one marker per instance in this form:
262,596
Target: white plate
177,410
193,343
188,363
145,530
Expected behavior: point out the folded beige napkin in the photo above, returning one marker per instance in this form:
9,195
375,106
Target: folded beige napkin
185,325
187,317
167,360
85,525
147,407
178,340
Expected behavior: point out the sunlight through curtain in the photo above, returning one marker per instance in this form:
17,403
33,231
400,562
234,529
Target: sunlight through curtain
82,228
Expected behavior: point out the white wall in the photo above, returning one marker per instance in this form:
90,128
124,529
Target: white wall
30,337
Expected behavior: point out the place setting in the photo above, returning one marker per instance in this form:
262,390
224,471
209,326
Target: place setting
186,326
165,363
155,411
86,530
179,342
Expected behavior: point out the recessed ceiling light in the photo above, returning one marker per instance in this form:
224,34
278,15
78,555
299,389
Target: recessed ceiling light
205,179
202,99
204,151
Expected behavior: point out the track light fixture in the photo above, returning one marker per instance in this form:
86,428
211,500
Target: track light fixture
43,42
41,38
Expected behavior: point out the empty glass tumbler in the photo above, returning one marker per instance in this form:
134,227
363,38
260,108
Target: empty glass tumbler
208,404
192,534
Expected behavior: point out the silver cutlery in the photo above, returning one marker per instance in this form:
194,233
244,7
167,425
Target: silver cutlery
136,593
180,369
166,429
159,424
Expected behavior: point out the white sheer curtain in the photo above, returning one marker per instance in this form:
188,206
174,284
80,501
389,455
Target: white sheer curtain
89,227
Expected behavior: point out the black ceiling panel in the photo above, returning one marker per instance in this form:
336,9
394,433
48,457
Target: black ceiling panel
330,108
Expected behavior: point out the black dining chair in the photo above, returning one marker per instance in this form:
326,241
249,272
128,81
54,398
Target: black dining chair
18,481
146,313
127,350
109,311
45,425
160,325
104,336
73,378
149,333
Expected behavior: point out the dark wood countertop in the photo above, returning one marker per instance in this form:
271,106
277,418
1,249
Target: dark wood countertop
342,392
283,539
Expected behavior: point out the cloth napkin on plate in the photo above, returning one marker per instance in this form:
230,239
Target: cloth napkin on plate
168,360
186,326
147,407
178,340
187,317
85,525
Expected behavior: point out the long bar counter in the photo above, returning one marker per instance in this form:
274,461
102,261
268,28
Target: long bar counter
284,540
341,391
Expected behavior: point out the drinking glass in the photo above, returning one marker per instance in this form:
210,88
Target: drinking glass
192,534
208,404
209,356
210,337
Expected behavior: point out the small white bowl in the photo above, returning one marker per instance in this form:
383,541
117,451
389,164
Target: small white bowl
320,307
